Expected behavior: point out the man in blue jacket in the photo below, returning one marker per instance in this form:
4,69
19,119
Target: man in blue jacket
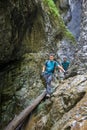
48,70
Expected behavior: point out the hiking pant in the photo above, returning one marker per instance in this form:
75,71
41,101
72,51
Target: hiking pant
60,75
48,78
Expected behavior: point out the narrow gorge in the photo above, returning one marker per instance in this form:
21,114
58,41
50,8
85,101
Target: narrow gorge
29,31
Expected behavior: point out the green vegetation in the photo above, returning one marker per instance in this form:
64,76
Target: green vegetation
53,12
52,7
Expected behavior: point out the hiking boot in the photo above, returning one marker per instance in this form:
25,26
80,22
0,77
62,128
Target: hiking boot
48,95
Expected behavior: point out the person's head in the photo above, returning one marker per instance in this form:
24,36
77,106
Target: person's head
64,58
51,56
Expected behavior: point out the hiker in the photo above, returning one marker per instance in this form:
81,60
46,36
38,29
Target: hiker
48,70
65,63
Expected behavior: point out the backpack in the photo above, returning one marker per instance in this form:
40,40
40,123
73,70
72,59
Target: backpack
54,64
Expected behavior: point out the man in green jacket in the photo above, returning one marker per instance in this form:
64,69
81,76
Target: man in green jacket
65,63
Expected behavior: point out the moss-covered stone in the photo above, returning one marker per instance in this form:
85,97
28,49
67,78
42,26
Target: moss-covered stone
20,85
52,7
57,21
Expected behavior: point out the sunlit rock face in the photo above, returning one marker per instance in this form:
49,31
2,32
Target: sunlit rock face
76,10
82,51
71,13
67,108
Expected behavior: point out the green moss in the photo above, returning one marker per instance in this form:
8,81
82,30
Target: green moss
52,7
53,12
69,35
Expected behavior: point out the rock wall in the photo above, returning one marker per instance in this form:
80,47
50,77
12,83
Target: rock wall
30,29
76,10
82,43
19,22
69,10
66,110
14,22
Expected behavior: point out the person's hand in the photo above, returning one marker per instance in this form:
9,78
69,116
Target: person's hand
65,72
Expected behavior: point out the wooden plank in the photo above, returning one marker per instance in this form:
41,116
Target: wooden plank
17,120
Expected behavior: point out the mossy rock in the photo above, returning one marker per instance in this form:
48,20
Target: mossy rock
57,21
